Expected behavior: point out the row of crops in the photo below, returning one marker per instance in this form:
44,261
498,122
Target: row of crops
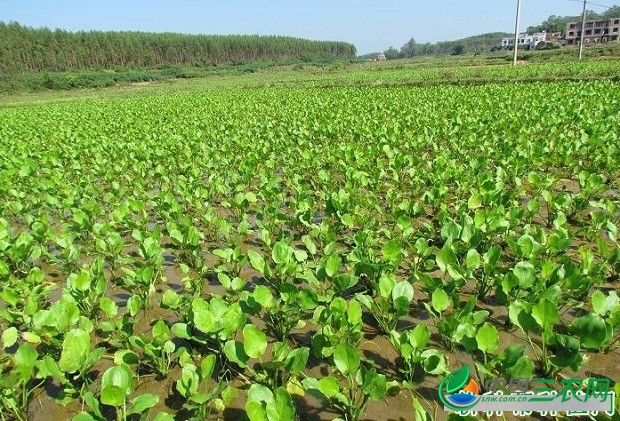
309,253
445,71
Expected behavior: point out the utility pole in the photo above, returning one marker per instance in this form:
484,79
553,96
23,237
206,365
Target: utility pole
583,29
514,61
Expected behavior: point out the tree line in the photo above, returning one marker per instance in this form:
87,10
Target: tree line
23,48
472,45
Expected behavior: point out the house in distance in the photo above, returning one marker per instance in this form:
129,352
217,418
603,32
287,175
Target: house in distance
525,40
597,31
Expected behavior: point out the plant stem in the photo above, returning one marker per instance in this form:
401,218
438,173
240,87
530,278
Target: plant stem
544,353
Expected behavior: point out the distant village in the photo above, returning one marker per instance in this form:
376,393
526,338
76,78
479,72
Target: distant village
597,32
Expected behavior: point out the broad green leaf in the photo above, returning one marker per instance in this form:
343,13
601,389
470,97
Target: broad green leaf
188,384
208,365
346,358
113,396
434,362
170,299
386,284
440,300
9,337
143,402
297,359
251,197
391,250
282,408
205,321
181,330
329,386
260,393
567,354
525,273
419,336
473,259
446,258
520,314
487,338
32,338
134,303
75,348
254,341
233,319
354,312
257,261
160,332
281,253
332,266
374,385
108,306
176,236
309,244
591,329
126,356
523,368
163,416
475,201
256,411
402,290
25,359
546,313
117,377
235,352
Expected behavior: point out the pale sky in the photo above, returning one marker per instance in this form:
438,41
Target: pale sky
369,24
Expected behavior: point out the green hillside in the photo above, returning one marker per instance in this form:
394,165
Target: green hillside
471,45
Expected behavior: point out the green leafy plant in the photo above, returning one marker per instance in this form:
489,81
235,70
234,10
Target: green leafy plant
283,367
556,351
389,303
416,358
597,329
284,310
340,322
18,379
202,398
264,404
116,385
158,351
459,326
361,385
88,288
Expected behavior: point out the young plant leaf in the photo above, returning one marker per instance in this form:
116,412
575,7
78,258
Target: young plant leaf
346,358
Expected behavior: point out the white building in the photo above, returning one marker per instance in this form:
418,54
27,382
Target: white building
526,40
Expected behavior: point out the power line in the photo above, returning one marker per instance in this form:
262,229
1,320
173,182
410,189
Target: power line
594,4
600,5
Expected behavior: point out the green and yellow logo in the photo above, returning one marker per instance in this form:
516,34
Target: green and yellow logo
458,391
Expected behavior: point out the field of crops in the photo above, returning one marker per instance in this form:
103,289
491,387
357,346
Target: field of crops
277,253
